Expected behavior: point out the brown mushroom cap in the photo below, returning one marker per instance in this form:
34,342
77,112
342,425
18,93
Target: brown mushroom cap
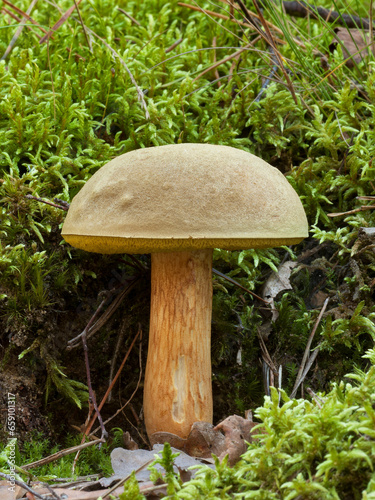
185,197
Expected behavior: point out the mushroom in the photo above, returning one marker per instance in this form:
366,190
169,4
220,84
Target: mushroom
179,202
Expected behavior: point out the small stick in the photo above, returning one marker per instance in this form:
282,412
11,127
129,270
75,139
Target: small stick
173,46
59,23
61,207
150,489
119,341
269,78
315,397
62,202
226,18
234,282
129,16
272,42
302,369
91,392
53,493
89,427
60,454
309,364
302,9
135,390
354,211
73,343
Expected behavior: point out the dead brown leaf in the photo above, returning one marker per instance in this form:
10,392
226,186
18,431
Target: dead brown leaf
227,438
237,432
129,442
204,440
355,44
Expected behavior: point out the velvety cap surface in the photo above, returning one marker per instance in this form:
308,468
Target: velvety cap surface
185,197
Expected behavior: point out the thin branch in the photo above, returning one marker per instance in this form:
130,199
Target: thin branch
60,22
307,362
136,387
63,206
129,16
72,343
268,80
318,400
234,282
60,454
88,375
246,24
354,211
302,9
91,392
116,352
89,427
173,46
272,42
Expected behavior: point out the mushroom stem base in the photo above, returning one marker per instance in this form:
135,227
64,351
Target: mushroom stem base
178,388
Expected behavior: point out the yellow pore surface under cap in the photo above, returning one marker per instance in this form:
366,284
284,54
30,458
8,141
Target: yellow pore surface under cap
185,197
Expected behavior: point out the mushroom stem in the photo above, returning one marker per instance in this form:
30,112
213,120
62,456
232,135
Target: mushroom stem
178,389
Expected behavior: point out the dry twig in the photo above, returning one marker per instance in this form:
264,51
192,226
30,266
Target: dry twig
129,16
118,373
306,360
60,22
92,421
173,46
60,454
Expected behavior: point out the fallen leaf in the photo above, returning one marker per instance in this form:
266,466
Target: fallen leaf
237,432
129,442
6,493
317,300
124,462
227,438
276,283
204,440
355,44
167,437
